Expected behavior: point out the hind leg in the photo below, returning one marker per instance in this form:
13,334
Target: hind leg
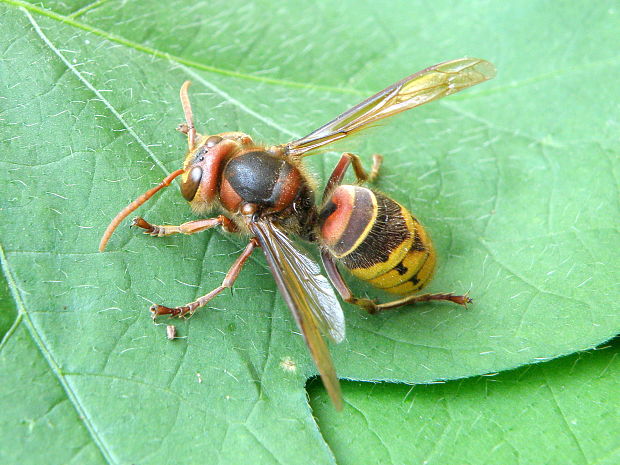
360,173
371,306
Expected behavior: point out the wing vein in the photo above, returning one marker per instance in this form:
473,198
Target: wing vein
308,295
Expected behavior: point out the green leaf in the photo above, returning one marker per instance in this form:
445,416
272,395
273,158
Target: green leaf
560,412
39,410
515,179
8,312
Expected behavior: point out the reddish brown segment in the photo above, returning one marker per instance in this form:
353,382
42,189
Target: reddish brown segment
125,212
346,218
287,188
229,198
212,165
336,215
336,177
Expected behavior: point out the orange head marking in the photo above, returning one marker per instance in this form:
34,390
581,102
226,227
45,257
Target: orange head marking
203,169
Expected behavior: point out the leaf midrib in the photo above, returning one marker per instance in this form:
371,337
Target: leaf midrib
168,56
23,316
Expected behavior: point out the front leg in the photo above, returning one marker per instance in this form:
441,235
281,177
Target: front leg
191,227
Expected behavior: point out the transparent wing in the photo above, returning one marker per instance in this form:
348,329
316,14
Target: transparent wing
305,279
419,88
310,297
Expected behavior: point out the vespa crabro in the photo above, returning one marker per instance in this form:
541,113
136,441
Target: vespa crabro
268,195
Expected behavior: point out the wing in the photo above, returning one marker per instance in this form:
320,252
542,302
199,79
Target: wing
419,88
309,296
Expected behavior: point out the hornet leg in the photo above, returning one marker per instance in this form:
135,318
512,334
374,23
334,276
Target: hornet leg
370,305
360,173
191,227
229,279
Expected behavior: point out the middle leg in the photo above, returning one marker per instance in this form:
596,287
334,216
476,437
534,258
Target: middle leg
229,279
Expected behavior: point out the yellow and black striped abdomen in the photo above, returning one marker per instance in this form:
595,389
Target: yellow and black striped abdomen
377,239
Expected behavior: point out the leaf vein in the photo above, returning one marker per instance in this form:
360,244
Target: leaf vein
68,20
54,367
564,419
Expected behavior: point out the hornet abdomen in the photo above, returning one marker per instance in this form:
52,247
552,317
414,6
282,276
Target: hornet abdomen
377,239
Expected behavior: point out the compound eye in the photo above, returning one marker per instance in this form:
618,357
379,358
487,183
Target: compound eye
190,186
213,141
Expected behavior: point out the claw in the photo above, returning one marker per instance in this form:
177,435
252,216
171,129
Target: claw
370,305
150,229
183,128
461,299
140,222
158,310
